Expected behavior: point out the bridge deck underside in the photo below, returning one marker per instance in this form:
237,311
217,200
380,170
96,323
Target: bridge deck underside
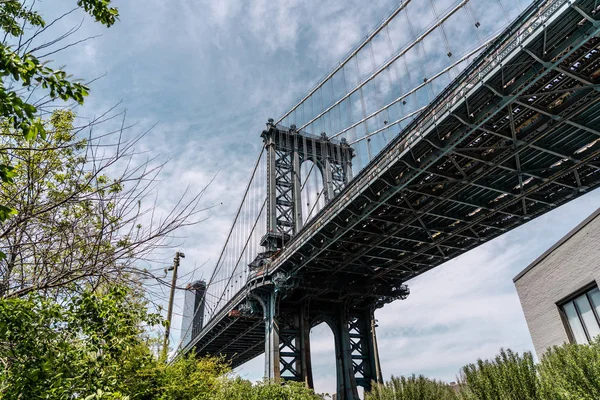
237,339
460,187
513,149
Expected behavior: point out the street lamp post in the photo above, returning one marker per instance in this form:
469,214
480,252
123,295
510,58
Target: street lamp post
173,268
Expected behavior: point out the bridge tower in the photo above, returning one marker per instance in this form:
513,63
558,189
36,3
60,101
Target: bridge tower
287,149
287,325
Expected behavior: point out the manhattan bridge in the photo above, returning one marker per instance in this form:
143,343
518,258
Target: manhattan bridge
451,123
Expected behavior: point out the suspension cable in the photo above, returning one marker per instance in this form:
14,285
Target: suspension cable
354,52
415,89
219,264
407,116
316,202
244,248
389,62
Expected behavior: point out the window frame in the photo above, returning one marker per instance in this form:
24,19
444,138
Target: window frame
585,290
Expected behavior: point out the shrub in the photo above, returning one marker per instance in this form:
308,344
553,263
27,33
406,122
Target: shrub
187,378
571,371
241,389
91,344
508,376
412,388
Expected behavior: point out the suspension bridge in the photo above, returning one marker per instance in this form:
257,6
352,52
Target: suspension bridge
451,123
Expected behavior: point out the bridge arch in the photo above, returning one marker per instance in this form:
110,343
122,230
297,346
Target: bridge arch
312,192
287,152
324,357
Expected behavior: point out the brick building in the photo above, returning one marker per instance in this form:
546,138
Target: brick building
559,290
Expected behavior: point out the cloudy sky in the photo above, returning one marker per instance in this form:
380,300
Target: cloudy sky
210,73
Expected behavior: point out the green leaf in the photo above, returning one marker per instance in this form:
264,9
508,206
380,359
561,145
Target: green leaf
7,173
31,132
40,128
6,212
29,110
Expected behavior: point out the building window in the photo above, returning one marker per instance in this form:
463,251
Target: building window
582,315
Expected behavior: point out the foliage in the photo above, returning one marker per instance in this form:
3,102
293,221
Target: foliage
567,372
101,10
74,223
240,389
412,388
56,224
509,376
20,66
185,378
93,346
85,346
571,372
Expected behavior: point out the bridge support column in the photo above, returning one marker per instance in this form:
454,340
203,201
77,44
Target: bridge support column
287,342
356,353
296,183
272,367
294,349
327,178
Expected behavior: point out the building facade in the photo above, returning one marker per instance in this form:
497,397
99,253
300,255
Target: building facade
193,311
559,290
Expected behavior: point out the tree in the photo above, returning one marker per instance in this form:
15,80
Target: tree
185,378
71,350
74,224
22,73
96,346
241,389
571,371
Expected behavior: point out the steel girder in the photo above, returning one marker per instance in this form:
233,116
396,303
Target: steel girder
491,163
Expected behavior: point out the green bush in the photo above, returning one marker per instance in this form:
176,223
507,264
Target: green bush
412,388
95,347
90,345
188,378
571,372
567,372
508,376
240,389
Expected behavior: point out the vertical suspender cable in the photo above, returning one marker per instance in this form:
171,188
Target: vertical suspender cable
216,270
474,22
364,108
374,33
420,53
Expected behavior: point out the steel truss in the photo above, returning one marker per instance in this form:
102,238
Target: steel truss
287,149
508,149
287,347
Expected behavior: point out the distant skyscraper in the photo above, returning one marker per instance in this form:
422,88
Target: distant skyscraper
193,311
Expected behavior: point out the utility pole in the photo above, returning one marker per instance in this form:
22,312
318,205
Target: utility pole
173,268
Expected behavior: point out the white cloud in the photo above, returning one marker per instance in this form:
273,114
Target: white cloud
223,11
